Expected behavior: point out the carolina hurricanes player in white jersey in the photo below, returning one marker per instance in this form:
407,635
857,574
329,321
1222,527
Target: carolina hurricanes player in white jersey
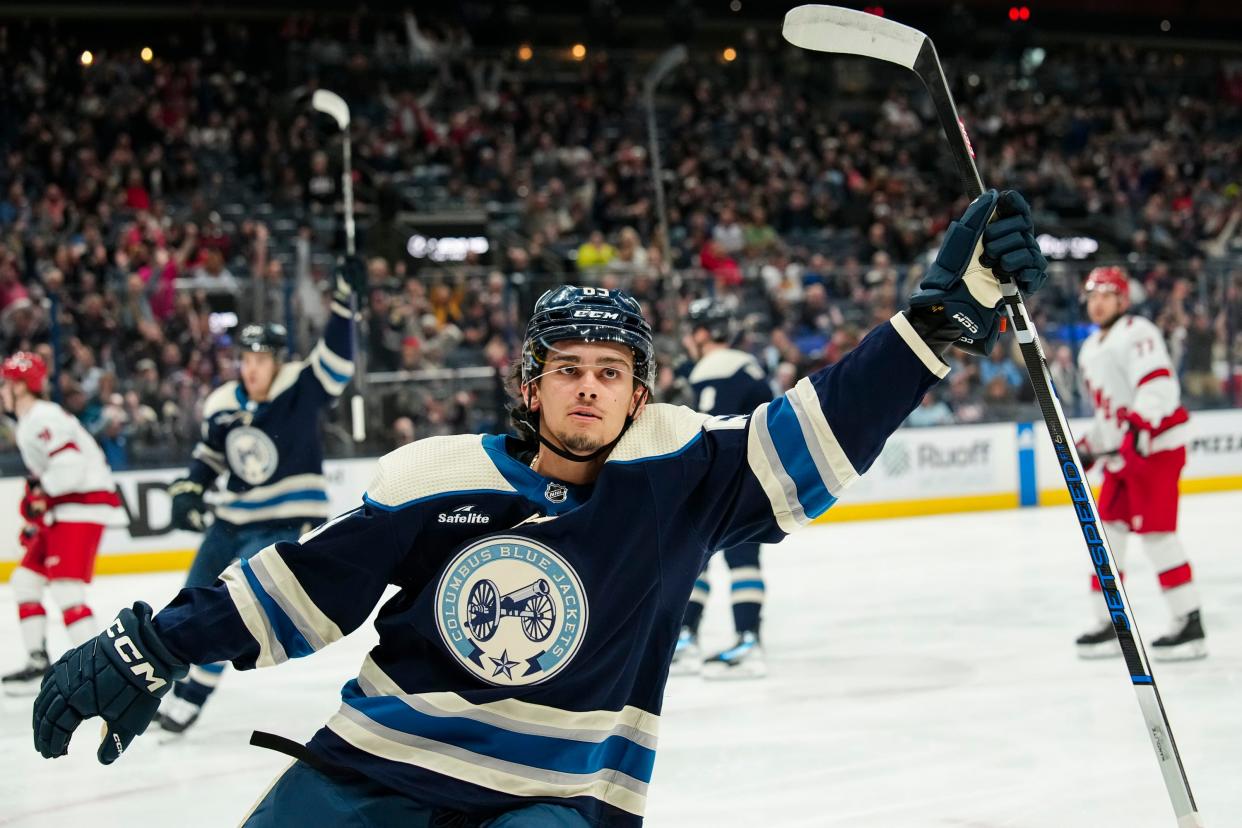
1139,433
70,498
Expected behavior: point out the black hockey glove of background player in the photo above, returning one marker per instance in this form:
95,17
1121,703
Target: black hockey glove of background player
119,676
959,301
188,510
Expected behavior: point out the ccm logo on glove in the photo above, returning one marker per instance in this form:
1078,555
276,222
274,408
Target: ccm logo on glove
139,665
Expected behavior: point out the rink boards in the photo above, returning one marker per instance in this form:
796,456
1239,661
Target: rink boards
922,471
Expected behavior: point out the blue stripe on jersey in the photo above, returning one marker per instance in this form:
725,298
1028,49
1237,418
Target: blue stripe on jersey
297,494
799,464
366,498
327,369
747,585
287,633
703,585
547,752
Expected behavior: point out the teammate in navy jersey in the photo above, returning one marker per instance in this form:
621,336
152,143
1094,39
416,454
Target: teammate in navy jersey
262,434
723,381
521,664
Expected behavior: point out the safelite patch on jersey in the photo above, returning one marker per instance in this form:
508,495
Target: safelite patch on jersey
511,610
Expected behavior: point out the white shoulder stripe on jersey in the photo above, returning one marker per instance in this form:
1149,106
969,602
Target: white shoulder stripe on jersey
660,430
831,462
435,465
608,785
270,650
282,585
223,398
285,379
921,349
775,481
723,364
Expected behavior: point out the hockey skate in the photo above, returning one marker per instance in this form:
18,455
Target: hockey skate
1099,643
26,681
176,714
744,660
1184,643
687,658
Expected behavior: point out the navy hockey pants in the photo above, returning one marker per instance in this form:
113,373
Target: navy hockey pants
222,544
305,797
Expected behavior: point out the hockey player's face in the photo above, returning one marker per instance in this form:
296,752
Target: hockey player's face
585,393
1103,307
258,369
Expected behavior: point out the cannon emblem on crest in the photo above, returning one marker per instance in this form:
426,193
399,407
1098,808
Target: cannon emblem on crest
531,604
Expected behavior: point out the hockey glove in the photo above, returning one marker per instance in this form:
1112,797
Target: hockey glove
119,676
34,503
960,294
188,510
351,280
1085,455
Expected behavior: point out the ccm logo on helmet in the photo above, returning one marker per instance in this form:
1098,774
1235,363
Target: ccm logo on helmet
129,654
594,314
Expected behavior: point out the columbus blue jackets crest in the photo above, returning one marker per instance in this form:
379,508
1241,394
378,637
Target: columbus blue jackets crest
511,610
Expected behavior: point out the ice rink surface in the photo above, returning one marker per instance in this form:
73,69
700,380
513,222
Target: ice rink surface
922,674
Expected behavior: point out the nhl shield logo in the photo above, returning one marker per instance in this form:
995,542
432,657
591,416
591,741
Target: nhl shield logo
511,611
556,493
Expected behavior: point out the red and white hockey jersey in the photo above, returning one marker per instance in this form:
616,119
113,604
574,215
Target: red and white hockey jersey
1133,386
70,467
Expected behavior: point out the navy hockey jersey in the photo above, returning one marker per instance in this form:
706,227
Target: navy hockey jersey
525,656
270,452
728,381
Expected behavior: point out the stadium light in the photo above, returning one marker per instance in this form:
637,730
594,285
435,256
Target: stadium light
578,51
146,54
87,58
525,53
729,54
735,5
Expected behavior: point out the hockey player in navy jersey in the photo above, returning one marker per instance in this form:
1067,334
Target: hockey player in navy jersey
724,381
262,434
521,664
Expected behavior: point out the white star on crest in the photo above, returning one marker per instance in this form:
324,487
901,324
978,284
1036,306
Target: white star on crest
503,665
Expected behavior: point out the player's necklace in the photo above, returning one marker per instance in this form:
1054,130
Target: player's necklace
534,461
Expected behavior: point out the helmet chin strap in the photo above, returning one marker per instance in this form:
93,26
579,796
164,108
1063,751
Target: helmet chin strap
599,452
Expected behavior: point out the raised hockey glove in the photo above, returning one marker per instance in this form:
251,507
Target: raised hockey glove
960,293
119,676
188,510
351,280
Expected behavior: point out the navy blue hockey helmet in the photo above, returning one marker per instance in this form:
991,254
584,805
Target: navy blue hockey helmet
268,337
712,315
588,314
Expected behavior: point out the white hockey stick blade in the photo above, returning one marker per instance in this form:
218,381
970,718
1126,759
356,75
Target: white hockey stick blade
849,32
332,104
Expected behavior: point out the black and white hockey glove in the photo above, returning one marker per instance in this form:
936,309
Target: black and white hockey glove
351,280
119,676
188,510
961,293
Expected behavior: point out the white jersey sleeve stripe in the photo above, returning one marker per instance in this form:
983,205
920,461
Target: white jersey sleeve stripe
766,465
270,650
280,582
920,348
830,459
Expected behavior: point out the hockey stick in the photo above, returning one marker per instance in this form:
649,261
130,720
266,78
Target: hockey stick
334,105
845,31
